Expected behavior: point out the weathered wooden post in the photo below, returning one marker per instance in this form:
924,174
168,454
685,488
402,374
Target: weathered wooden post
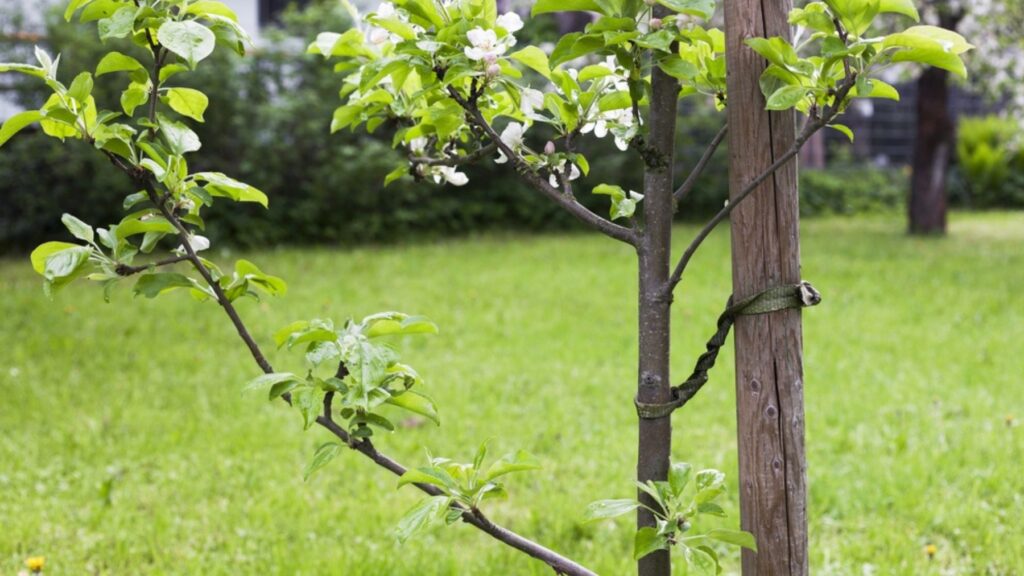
766,252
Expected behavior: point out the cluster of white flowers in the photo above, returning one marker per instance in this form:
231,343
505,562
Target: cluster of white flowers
485,45
620,122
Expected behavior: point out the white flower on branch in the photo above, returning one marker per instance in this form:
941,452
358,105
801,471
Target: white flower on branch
512,136
558,173
197,242
531,101
486,45
510,21
450,175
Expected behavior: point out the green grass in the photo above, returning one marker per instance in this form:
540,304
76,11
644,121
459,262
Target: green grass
127,447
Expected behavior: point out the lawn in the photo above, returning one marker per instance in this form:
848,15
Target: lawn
128,447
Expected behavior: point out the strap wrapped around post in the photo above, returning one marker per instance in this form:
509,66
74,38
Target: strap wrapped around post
773,299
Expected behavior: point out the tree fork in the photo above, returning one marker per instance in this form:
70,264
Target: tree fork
766,252
654,251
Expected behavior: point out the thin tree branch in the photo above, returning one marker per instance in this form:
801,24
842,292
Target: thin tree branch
126,270
473,156
564,200
560,564
812,125
691,180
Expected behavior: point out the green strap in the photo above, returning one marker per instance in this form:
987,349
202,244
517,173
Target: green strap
773,299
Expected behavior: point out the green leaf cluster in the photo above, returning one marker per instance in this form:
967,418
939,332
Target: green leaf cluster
465,486
677,504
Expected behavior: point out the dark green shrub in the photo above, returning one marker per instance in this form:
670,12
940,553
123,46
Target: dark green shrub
990,163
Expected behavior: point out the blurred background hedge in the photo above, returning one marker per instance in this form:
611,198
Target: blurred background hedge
269,125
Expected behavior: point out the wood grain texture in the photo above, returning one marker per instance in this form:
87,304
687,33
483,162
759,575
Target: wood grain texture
766,252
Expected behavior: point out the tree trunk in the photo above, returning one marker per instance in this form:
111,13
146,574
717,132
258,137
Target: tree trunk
932,152
654,386
766,252
933,148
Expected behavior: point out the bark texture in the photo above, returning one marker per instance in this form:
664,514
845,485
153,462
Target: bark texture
932,153
654,251
766,252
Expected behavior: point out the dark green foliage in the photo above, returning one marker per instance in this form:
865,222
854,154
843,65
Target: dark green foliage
845,188
990,164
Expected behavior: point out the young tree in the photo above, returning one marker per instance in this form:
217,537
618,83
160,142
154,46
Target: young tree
443,74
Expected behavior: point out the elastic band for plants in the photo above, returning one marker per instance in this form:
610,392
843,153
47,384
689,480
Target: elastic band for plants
773,299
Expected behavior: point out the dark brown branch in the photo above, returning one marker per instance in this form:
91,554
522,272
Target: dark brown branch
537,182
474,156
812,125
126,270
691,180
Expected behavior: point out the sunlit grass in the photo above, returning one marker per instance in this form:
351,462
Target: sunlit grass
128,448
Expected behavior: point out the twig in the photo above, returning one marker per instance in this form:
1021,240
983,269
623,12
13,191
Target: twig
456,160
126,270
566,201
812,125
691,180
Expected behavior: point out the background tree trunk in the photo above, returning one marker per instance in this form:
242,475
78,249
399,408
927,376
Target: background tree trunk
766,252
654,251
933,147
932,154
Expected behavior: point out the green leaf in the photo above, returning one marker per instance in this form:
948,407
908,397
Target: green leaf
264,381
219,184
190,40
66,263
81,87
17,123
180,138
207,7
535,58
700,562
153,285
428,512
648,540
44,251
188,102
609,509
119,25
117,62
324,454
396,324
73,7
786,97
78,229
416,403
679,477
735,537
905,7
521,461
701,8
134,96
426,476
547,6
930,45
843,129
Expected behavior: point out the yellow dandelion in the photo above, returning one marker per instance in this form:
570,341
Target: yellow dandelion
35,563
931,550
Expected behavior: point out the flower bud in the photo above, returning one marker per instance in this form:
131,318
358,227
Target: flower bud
549,148
490,59
656,23
493,70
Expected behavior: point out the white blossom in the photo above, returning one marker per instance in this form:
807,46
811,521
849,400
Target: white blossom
450,175
510,21
558,172
512,137
197,242
486,46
